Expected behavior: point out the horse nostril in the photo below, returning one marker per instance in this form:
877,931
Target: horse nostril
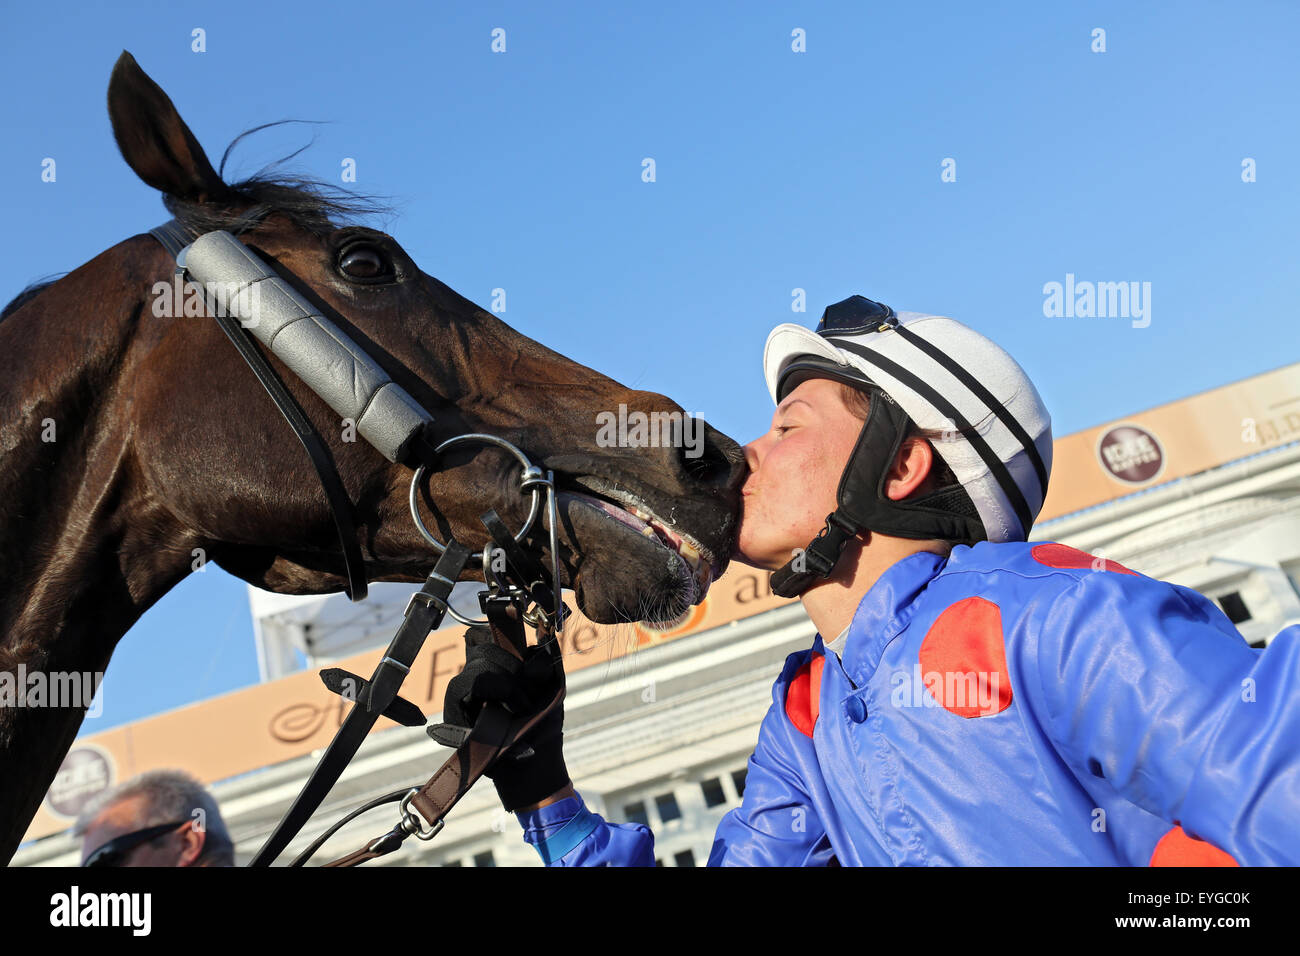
716,461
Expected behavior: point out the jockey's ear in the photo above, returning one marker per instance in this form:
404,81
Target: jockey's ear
911,468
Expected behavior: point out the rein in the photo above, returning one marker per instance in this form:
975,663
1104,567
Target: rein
252,303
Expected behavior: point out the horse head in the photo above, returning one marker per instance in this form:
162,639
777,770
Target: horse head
211,445
138,445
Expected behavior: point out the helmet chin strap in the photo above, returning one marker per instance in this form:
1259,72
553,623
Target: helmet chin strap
818,560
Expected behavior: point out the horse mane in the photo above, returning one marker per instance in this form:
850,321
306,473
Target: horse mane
310,203
30,292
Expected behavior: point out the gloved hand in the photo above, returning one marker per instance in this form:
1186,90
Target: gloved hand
533,768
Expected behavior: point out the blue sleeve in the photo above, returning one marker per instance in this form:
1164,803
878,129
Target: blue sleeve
775,824
566,833
1148,685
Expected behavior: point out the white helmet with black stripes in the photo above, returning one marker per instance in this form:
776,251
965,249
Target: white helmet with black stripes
986,418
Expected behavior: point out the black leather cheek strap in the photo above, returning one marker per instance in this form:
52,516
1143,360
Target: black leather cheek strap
321,459
868,466
862,498
174,237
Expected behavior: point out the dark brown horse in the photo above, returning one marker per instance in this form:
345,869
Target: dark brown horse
133,443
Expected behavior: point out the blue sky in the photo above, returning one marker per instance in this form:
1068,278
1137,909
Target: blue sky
775,170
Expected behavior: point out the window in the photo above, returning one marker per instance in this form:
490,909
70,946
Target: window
685,858
1234,607
738,778
666,803
635,813
453,863
484,859
713,794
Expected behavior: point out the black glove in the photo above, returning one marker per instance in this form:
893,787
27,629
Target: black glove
533,768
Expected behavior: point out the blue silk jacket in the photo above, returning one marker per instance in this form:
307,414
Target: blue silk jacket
1012,704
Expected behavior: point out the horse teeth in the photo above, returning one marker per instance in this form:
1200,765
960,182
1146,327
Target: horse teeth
685,550
690,554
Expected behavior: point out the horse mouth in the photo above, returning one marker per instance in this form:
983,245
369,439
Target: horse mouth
678,568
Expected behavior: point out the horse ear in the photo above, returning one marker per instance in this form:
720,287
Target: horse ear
154,140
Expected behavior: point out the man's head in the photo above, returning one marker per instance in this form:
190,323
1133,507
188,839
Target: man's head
948,443
160,818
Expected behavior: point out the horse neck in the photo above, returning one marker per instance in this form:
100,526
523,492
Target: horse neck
82,553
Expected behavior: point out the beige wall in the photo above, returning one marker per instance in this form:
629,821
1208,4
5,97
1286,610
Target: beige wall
1196,433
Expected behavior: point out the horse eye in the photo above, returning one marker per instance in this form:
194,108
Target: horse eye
363,262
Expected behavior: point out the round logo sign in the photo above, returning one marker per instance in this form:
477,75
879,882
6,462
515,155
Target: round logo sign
1131,454
85,771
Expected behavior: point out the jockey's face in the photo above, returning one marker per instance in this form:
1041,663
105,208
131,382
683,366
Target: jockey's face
794,472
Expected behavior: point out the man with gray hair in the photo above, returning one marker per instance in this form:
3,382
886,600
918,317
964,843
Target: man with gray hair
159,818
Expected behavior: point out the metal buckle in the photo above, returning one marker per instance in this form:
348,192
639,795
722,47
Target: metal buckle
425,599
411,823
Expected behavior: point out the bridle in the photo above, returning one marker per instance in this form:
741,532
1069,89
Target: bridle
253,304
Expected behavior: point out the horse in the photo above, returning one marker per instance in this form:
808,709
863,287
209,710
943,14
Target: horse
133,440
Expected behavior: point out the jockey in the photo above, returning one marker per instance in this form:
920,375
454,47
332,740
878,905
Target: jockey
970,698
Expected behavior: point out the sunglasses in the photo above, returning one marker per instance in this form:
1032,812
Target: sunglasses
114,852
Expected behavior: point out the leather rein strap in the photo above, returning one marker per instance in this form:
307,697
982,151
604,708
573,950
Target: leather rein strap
424,613
496,730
